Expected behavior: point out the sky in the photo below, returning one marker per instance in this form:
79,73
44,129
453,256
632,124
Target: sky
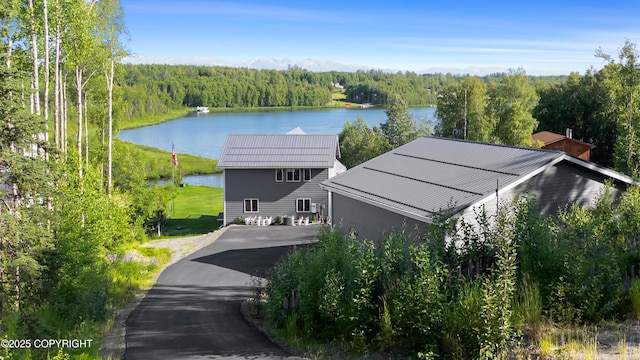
545,37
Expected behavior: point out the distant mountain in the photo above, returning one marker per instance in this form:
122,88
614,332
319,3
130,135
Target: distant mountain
270,63
286,63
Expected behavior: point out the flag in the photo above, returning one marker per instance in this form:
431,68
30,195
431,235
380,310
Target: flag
174,155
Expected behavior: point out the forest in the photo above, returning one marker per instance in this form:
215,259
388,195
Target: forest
74,208
152,89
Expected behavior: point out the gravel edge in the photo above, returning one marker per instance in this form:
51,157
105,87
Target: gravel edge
115,340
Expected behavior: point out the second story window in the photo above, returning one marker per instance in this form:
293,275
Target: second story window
293,175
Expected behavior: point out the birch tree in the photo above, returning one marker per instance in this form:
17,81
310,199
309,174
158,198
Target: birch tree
47,70
81,52
111,27
35,83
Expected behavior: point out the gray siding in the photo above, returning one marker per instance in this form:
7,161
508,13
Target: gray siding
275,198
555,188
369,222
566,183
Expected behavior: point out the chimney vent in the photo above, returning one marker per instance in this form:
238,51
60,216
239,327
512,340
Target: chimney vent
569,133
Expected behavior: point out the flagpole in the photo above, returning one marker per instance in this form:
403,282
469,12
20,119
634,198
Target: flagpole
174,159
173,184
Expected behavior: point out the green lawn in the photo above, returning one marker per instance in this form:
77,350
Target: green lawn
158,164
195,209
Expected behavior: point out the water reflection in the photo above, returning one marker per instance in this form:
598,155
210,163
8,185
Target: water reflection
214,180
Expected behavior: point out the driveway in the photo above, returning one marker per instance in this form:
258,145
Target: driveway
193,311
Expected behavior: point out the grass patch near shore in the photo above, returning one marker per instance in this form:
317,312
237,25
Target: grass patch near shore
158,164
195,210
132,123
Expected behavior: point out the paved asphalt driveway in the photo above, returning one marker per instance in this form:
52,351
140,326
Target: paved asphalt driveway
193,311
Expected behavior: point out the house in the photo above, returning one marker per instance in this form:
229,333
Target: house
420,180
566,143
277,175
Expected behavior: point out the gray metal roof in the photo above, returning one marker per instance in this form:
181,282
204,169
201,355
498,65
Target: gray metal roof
430,174
259,151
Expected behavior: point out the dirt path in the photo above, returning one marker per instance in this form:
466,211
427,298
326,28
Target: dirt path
115,344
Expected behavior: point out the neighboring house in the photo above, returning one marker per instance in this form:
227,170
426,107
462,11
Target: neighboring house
419,180
566,143
277,175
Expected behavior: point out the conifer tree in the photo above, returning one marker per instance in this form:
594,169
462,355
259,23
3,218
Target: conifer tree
25,180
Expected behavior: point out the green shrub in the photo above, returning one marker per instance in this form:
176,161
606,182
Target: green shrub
455,294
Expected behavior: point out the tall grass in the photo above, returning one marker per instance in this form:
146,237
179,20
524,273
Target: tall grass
131,123
634,298
158,164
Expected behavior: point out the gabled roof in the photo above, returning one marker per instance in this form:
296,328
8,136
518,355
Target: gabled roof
260,151
548,137
296,131
430,174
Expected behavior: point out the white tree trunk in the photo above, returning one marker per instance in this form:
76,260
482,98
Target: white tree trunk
34,53
46,68
57,105
80,124
86,132
110,75
9,50
64,114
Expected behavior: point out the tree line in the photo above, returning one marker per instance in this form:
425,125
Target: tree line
601,107
153,89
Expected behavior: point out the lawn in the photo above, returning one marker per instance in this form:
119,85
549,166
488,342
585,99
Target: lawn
158,163
194,211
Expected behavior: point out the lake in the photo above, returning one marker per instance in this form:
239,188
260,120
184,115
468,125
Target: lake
204,134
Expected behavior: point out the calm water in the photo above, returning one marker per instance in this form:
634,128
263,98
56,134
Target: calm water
204,134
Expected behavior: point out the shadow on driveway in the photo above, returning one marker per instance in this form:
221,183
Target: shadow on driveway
254,262
193,311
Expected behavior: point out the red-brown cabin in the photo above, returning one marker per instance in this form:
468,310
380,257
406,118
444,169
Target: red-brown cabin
566,143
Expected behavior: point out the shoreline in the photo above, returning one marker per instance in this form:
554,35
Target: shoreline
190,112
177,114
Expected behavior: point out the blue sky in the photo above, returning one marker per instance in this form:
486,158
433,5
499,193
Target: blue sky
543,37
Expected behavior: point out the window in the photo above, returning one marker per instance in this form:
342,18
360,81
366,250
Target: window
306,174
303,205
279,175
250,205
293,175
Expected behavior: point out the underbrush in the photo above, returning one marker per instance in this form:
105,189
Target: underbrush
90,317
512,285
